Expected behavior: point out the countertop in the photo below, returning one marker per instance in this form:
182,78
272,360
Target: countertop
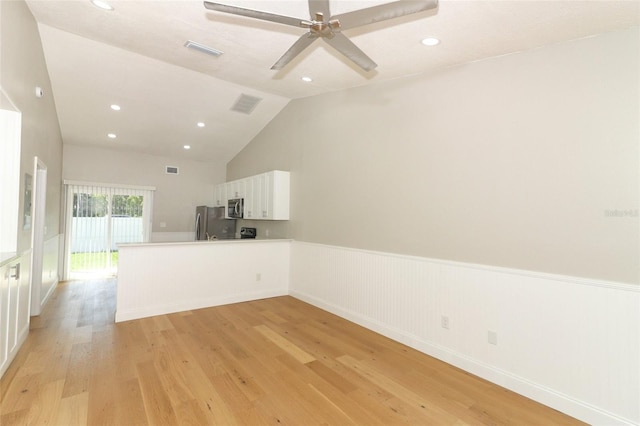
184,243
7,257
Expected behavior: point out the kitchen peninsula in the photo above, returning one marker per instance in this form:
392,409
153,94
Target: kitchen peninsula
161,278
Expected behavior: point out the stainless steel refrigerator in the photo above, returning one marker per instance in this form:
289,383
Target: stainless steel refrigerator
211,224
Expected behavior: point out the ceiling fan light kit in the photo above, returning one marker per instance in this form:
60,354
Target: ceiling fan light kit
329,28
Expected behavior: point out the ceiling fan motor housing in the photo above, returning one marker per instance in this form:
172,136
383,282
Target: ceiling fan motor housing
321,28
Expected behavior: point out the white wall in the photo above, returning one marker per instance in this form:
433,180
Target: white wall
572,344
22,68
176,196
513,161
9,179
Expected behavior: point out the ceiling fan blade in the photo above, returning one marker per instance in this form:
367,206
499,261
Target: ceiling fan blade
319,6
257,14
383,12
342,44
303,42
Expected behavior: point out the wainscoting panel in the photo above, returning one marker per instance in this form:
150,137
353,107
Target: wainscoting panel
570,343
161,278
50,262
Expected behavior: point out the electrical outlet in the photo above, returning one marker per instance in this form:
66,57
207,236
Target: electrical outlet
444,322
492,337
258,276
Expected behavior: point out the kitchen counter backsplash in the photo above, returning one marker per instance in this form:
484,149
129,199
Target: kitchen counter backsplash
267,229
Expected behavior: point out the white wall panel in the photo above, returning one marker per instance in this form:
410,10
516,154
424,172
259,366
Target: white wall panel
570,343
50,275
155,279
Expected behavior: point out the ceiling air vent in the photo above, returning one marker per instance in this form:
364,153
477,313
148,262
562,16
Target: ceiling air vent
245,104
171,170
202,48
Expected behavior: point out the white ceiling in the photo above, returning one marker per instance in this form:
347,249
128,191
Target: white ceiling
134,56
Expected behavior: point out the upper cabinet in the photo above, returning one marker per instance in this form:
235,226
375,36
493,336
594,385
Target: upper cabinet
274,190
266,196
236,189
220,195
251,198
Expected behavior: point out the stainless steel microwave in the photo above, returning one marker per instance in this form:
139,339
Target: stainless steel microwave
235,208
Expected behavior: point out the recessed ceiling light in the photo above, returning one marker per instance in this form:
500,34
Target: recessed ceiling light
307,79
187,147
430,41
115,107
102,4
112,135
200,124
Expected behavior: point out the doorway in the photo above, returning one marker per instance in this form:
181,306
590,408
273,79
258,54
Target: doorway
98,219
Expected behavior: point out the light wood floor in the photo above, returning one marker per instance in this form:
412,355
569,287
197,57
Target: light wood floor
276,361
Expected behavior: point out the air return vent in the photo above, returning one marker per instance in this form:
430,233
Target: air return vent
245,104
202,48
172,170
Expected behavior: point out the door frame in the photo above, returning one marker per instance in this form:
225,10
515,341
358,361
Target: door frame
38,231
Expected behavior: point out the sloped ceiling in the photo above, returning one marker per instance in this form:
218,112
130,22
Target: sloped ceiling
134,56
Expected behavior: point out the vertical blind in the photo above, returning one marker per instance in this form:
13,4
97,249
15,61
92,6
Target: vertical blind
98,218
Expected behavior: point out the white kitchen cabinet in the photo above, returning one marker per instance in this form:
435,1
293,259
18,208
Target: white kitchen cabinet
274,195
263,182
220,195
251,198
266,196
236,189
14,312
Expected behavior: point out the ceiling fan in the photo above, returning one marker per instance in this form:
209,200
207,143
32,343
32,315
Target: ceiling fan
322,25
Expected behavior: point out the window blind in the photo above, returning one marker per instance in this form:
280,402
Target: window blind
99,217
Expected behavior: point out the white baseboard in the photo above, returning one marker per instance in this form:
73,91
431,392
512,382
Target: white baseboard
181,306
50,292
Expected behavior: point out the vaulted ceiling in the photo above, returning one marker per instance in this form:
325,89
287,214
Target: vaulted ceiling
135,56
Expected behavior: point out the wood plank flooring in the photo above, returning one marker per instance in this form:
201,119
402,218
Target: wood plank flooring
276,361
